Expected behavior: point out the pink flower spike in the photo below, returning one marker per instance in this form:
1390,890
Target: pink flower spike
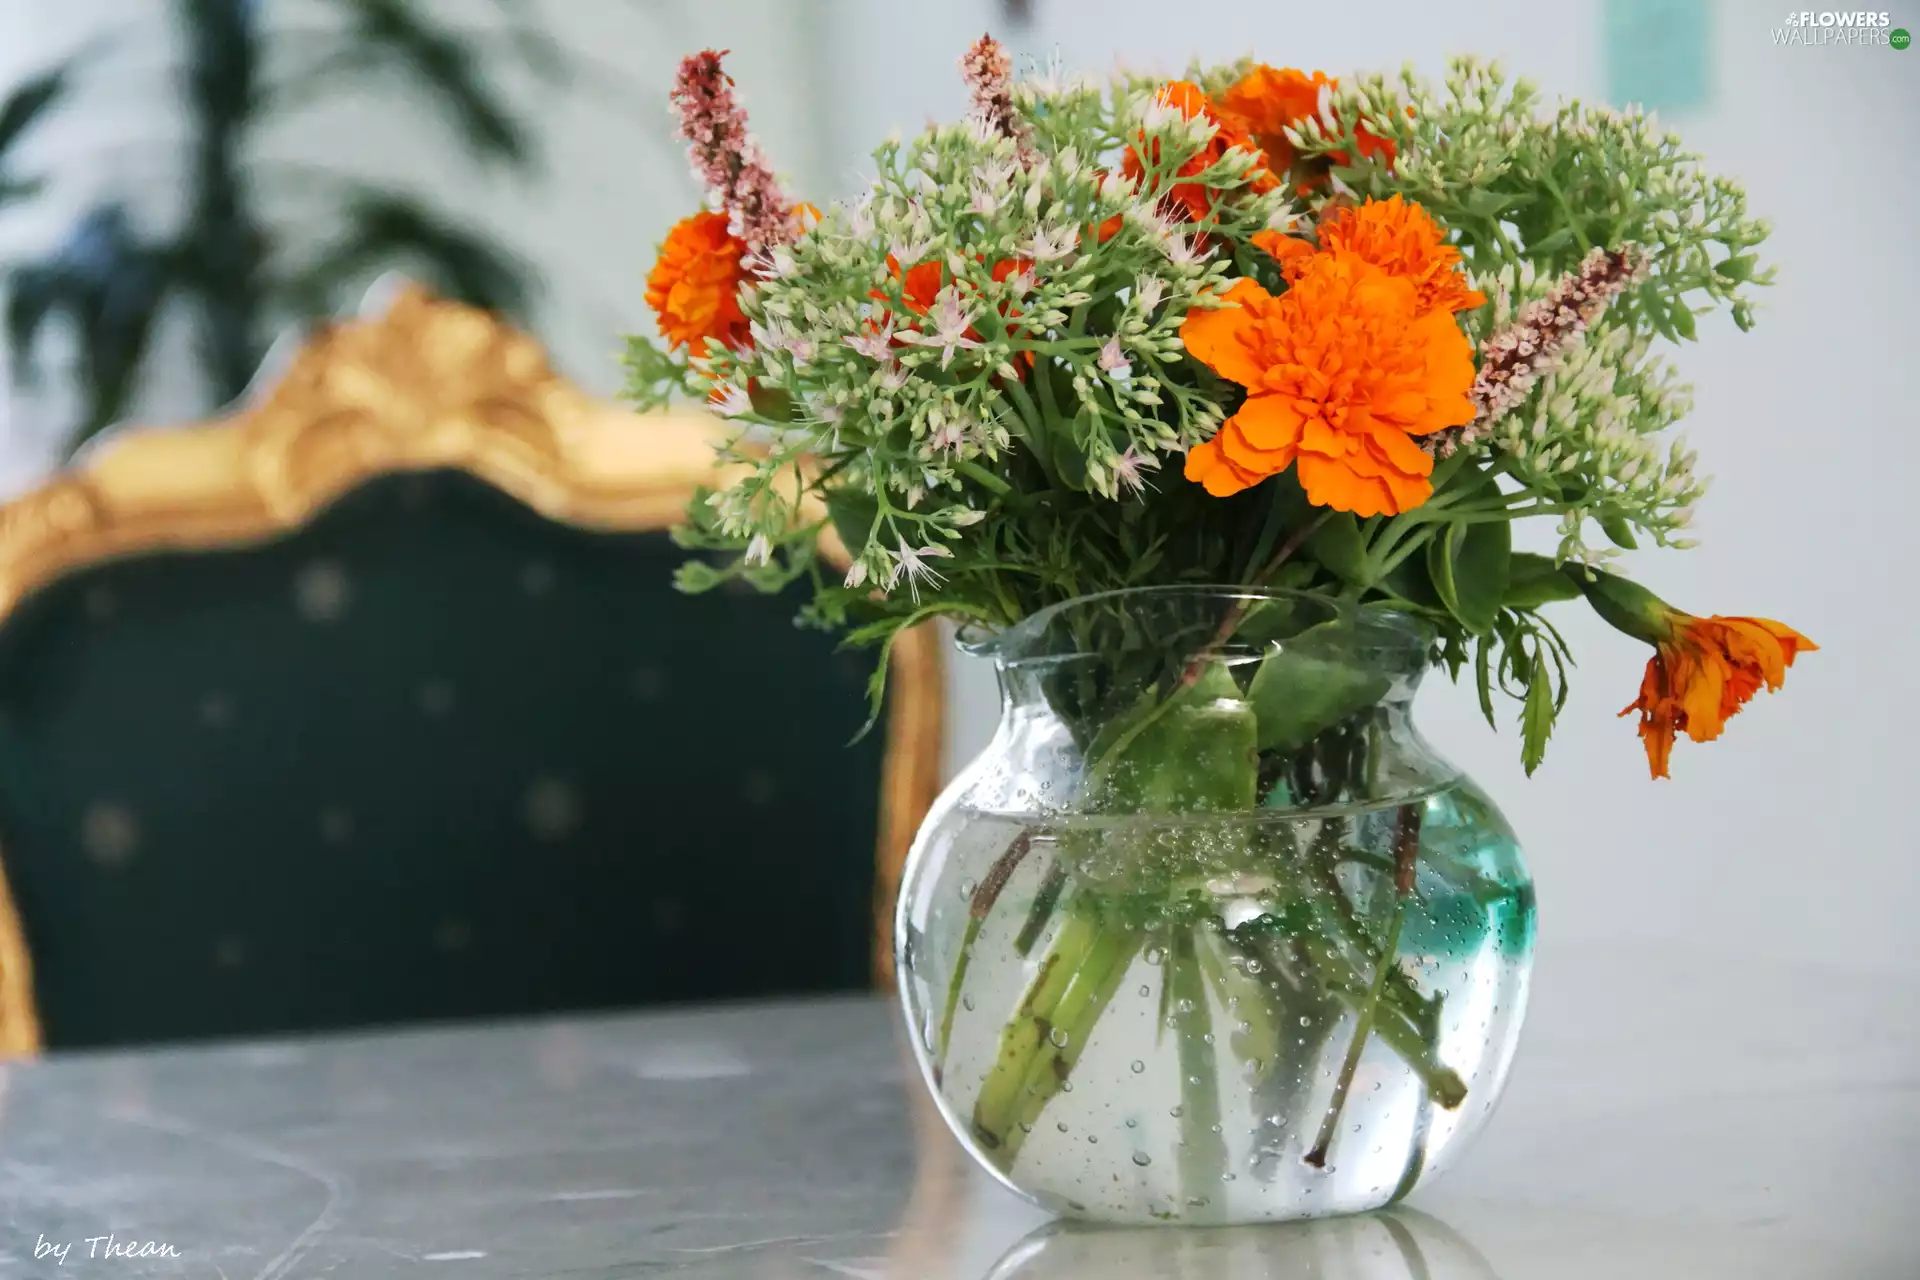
725,157
988,72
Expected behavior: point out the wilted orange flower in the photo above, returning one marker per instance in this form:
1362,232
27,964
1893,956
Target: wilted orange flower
1702,671
1195,200
1341,372
1268,99
694,287
1403,240
1705,670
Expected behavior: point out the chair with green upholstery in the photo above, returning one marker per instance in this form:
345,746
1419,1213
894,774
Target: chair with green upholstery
376,703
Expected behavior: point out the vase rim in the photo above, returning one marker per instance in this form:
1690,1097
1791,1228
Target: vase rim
1393,635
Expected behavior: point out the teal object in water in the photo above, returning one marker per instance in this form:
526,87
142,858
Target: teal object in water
1659,54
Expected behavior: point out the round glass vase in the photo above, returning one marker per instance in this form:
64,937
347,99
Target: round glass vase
1208,933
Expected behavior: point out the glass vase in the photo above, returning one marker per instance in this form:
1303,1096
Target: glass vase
1208,933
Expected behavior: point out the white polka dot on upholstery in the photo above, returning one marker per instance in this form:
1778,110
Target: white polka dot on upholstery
336,825
759,789
436,697
551,808
537,578
216,711
647,683
321,591
109,833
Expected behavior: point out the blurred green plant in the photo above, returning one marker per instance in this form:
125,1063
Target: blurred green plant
242,281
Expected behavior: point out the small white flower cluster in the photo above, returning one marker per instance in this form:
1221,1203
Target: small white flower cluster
983,300
1587,437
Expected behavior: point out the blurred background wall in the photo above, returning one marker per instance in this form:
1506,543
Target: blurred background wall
1795,833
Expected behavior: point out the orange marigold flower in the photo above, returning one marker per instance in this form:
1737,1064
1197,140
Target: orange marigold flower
1342,372
694,287
1284,249
1403,240
1193,199
1268,99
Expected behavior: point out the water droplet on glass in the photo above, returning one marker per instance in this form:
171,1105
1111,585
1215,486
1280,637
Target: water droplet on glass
1138,1066
1142,1159
1066,1086
1145,990
1059,1038
1253,965
1093,1137
1185,1006
966,888
1207,1038
1132,1123
1154,955
1305,1021
1062,1126
1174,1112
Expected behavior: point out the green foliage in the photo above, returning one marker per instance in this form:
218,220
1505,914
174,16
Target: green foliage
1298,696
225,263
1468,565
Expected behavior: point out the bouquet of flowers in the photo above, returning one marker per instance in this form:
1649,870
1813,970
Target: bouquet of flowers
1252,327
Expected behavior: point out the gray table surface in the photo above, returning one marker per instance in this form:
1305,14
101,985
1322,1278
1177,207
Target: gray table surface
1674,1116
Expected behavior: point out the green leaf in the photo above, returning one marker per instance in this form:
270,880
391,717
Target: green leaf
1683,325
1191,752
1536,718
851,514
1483,678
1297,696
1469,566
1411,582
1536,580
697,576
1739,267
1337,545
1619,532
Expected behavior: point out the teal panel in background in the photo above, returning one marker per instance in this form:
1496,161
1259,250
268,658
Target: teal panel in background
1659,54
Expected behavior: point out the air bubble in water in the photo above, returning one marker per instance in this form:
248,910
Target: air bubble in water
1174,1112
1253,965
966,888
1138,1066
1185,1006
1142,1159
1059,1038
966,1002
1062,1126
1154,955
1145,990
1305,1021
